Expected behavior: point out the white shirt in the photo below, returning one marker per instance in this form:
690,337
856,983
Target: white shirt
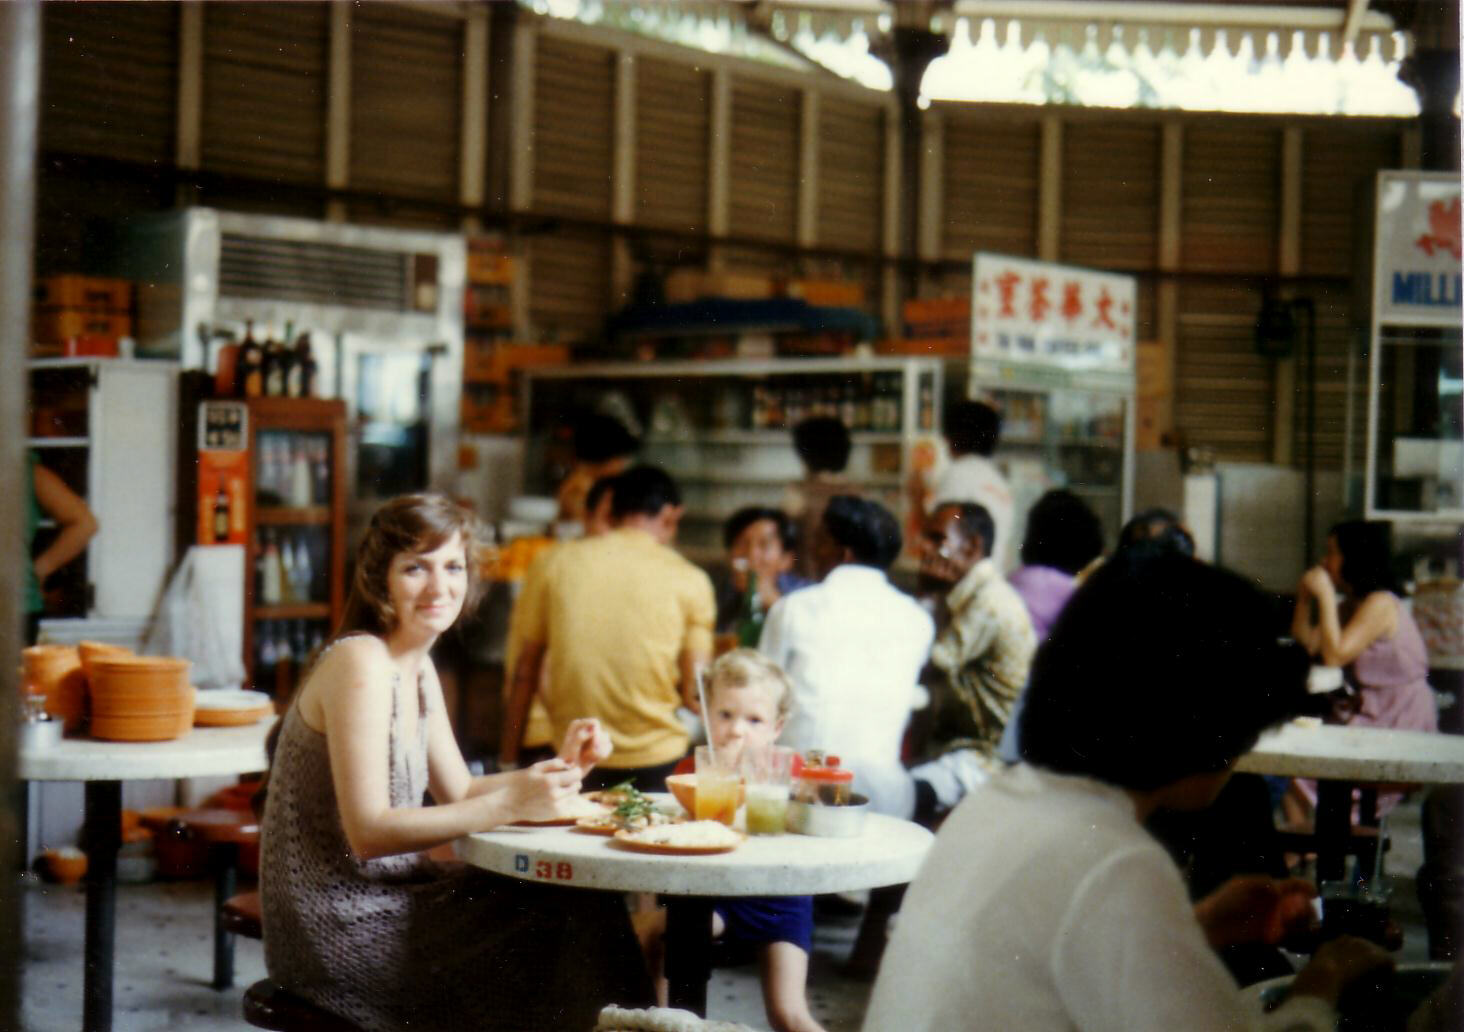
1045,906
972,478
854,647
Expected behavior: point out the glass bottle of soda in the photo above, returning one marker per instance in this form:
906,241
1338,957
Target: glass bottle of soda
251,364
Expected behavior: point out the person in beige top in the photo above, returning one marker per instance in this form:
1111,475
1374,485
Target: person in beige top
623,623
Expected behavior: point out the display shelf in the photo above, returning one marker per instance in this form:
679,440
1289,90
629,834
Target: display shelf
58,442
294,611
764,437
286,516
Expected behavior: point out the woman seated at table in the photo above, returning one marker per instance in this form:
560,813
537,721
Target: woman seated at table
1044,904
1367,631
357,919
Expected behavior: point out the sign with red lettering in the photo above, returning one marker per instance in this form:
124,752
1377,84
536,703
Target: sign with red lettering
1418,271
1049,314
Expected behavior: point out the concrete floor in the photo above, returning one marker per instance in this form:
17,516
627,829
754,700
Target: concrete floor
164,956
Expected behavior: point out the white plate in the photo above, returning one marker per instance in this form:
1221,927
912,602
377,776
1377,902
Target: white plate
229,699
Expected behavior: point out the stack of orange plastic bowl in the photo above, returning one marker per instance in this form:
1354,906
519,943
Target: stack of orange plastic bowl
140,698
55,672
92,650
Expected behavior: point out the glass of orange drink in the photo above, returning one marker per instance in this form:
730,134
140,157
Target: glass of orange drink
718,785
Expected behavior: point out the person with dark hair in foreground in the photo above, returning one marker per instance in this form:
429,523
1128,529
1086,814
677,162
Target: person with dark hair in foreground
358,920
1063,538
853,646
1158,530
623,623
762,545
1044,904
1369,632
603,447
823,445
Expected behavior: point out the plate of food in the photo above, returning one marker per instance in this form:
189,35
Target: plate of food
633,811
581,807
229,707
683,838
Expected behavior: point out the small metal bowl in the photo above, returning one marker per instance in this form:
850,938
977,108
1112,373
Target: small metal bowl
828,821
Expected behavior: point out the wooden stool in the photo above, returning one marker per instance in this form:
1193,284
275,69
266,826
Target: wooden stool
242,915
268,1005
224,831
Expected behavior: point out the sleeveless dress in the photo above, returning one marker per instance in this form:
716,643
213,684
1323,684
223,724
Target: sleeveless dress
404,942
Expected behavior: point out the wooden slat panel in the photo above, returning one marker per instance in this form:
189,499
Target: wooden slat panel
1338,184
850,193
1230,203
1110,195
109,80
672,122
991,170
569,285
406,100
1223,392
764,172
574,112
264,87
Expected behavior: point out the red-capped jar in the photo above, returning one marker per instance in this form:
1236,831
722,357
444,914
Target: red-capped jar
824,784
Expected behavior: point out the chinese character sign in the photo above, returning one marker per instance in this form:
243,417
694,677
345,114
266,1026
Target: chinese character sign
1418,249
1029,311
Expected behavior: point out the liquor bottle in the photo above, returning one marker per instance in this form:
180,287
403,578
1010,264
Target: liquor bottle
221,514
750,621
268,653
298,645
251,364
287,570
320,470
300,377
276,367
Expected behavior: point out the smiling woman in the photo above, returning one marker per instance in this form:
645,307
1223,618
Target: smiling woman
357,919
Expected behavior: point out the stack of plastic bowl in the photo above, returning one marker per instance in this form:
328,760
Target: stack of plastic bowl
140,698
55,672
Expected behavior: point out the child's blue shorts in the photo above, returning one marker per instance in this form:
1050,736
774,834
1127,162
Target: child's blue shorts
761,920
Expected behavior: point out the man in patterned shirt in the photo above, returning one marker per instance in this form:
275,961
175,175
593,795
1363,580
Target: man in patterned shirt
980,658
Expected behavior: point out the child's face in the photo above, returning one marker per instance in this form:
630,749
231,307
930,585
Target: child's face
740,717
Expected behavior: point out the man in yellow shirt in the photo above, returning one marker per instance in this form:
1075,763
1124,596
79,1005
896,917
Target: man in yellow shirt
623,623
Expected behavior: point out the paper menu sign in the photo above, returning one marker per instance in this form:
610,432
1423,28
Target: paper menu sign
1418,270
1042,313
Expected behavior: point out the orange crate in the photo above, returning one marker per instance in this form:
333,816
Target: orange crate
938,310
490,268
925,346
51,326
828,293
94,293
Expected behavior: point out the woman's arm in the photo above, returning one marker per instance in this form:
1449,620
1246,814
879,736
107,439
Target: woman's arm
71,513
355,691
1376,618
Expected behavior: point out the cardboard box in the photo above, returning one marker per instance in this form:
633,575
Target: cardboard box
828,293
686,285
957,346
924,310
55,326
93,293
490,268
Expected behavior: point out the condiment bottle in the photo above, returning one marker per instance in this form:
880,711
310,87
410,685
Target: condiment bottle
825,783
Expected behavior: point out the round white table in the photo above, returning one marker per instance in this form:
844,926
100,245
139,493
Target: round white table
1341,758
103,766
889,852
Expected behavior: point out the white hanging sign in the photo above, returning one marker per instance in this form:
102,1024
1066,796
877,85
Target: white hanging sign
1053,315
1417,277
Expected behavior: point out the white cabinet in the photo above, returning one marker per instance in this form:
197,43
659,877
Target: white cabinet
109,428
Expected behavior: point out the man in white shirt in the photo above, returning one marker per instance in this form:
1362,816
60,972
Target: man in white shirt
854,646
972,431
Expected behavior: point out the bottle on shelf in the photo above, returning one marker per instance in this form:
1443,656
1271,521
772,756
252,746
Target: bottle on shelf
287,569
267,651
221,514
300,379
320,470
299,648
302,573
275,359
302,484
270,591
251,364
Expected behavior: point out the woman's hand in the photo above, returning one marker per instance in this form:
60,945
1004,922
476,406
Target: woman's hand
1338,963
535,793
1319,584
1255,908
586,743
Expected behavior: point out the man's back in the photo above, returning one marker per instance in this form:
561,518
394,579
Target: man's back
616,613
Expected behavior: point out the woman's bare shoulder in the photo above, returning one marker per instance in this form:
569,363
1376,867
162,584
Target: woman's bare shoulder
358,661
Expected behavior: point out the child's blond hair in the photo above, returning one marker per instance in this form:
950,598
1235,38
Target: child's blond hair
744,668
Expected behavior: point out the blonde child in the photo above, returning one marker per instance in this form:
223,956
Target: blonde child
747,699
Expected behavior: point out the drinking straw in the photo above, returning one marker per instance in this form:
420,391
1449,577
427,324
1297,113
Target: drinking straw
701,692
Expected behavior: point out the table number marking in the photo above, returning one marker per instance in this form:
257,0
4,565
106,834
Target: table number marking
547,871
521,863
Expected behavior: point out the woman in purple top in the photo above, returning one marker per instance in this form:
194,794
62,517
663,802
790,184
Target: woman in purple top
1063,537
1368,631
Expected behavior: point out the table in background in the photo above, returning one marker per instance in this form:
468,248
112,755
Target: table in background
1341,758
889,852
103,766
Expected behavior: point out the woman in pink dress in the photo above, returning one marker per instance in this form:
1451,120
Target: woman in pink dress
1367,631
